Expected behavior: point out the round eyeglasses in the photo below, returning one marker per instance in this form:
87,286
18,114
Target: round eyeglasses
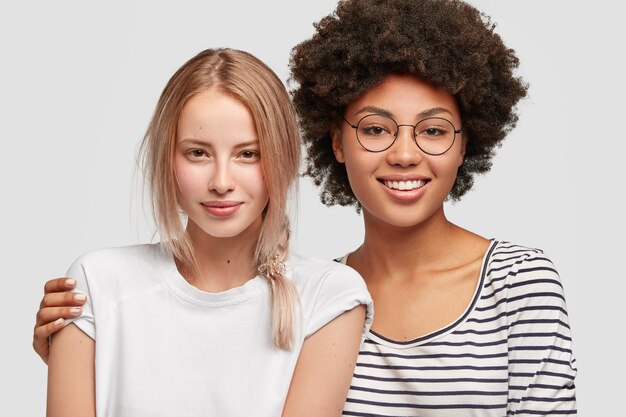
377,133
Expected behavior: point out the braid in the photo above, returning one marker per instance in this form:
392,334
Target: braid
284,297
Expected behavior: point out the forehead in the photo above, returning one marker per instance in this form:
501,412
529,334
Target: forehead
215,114
214,104
403,95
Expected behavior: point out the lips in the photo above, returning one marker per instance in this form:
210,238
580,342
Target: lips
221,208
404,188
404,185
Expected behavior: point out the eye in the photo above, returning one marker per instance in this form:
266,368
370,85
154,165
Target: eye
196,154
250,155
433,131
375,126
374,130
434,128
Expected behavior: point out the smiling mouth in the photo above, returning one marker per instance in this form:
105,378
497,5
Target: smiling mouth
404,185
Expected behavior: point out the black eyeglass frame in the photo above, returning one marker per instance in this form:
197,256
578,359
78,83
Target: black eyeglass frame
397,132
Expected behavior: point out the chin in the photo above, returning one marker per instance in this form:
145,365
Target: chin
224,232
406,218
229,228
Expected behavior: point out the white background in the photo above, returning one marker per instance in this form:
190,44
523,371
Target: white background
79,81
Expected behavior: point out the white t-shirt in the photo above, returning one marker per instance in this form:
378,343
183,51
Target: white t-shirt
165,348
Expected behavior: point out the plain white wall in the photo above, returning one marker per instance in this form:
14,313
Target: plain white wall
79,81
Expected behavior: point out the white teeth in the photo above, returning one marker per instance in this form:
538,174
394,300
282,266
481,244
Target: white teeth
405,185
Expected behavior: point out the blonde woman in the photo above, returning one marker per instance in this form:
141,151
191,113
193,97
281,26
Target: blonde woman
217,319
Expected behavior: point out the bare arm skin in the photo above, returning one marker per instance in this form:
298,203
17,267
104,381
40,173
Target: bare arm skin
71,374
321,380
56,305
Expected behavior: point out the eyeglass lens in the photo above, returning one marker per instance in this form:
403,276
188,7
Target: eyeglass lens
376,133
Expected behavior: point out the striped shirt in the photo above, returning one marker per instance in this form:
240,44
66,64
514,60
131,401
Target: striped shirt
508,354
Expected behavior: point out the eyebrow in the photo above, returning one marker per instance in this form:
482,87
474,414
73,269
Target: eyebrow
433,111
198,142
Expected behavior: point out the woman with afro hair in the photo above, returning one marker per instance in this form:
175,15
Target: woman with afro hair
402,103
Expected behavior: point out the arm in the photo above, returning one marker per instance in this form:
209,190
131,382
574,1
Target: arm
321,380
57,304
71,374
542,367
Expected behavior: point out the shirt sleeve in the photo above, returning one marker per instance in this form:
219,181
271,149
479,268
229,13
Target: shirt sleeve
542,366
86,321
341,290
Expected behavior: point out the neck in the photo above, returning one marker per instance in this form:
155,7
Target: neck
400,251
223,263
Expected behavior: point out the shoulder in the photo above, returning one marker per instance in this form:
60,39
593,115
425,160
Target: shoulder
518,272
510,258
318,279
122,253
327,289
119,259
313,271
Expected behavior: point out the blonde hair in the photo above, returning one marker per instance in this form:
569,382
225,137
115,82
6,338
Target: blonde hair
249,80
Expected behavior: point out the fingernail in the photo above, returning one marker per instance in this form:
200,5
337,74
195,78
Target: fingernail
80,297
75,310
58,322
70,283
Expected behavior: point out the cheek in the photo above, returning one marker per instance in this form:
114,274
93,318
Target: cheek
354,157
252,179
188,180
360,168
445,173
447,165
360,165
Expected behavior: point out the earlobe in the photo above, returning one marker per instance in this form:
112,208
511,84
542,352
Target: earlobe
337,145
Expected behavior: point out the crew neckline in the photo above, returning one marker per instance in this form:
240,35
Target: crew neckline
184,290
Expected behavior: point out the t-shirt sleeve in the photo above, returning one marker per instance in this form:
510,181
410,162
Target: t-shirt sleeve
86,321
341,290
542,364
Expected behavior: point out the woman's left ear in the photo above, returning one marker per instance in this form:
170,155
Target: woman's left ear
463,149
335,134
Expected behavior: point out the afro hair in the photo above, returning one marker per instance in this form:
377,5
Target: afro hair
448,43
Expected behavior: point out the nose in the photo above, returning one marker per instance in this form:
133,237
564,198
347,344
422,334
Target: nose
404,151
221,180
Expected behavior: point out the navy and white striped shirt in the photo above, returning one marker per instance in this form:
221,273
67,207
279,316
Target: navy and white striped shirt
508,354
